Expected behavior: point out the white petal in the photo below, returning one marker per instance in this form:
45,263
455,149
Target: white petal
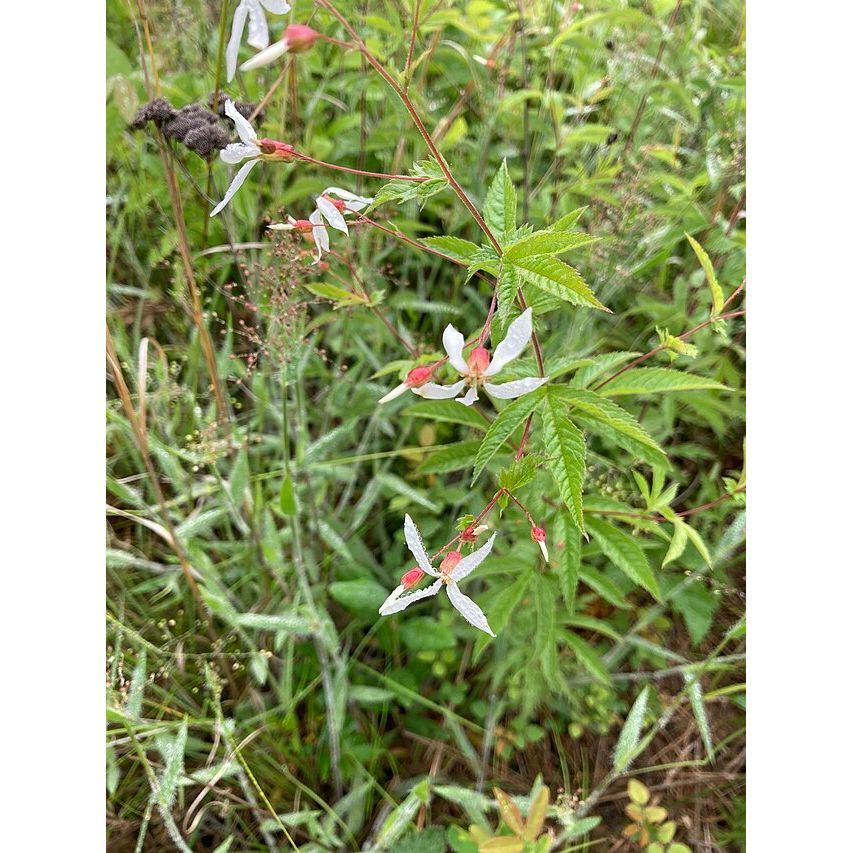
416,546
453,342
392,598
511,390
346,195
235,185
281,226
395,392
356,206
321,241
471,397
405,600
544,549
244,130
234,42
433,391
237,152
276,7
259,34
517,337
267,55
467,564
468,608
332,214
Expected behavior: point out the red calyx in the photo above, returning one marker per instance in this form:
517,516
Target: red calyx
468,534
300,37
417,376
537,534
279,150
411,578
340,205
450,561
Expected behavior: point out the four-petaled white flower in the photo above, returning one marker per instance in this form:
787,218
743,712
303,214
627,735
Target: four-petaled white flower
259,34
479,369
236,152
329,210
453,568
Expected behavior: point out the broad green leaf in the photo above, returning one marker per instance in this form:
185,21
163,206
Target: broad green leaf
519,474
486,260
401,816
566,449
590,623
367,695
450,411
499,209
508,284
717,298
638,449
569,560
625,553
588,657
363,596
546,243
605,587
341,297
545,641
694,693
557,278
455,247
678,542
698,543
568,222
502,844
422,634
503,426
629,737
656,380
474,803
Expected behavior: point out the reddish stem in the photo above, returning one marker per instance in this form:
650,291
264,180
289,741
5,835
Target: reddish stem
387,177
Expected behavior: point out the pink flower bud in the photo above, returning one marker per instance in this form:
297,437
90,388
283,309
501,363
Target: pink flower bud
418,376
279,150
478,361
450,561
538,534
302,225
411,578
468,534
300,37
340,205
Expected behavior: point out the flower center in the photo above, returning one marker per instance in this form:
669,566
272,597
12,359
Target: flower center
275,150
417,376
478,361
340,205
449,563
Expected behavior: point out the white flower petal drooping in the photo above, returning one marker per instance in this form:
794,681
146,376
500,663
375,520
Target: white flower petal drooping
480,367
453,568
259,34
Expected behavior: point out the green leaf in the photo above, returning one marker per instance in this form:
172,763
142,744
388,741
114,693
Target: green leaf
569,560
612,415
698,543
462,250
545,640
604,587
510,813
656,380
508,284
342,298
678,542
717,298
519,474
366,695
568,222
694,693
536,814
503,426
363,596
137,687
422,634
288,622
588,658
557,278
453,457
286,497
401,487
502,844
629,737
580,826
566,449
172,750
450,411
697,606
401,816
625,553
546,243
600,364
637,449
239,478
499,209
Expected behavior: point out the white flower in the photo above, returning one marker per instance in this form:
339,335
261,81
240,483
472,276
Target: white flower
259,34
236,152
297,38
478,369
453,568
330,210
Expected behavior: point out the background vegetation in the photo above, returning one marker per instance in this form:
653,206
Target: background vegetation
256,491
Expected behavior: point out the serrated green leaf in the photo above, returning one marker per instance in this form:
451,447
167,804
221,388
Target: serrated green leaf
569,560
625,553
558,279
678,542
568,222
656,380
588,658
566,450
629,737
604,587
717,298
499,209
503,426
508,284
455,247
546,243
698,543
519,474
601,364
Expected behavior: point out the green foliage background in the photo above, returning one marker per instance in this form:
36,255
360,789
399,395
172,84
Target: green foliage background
286,707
